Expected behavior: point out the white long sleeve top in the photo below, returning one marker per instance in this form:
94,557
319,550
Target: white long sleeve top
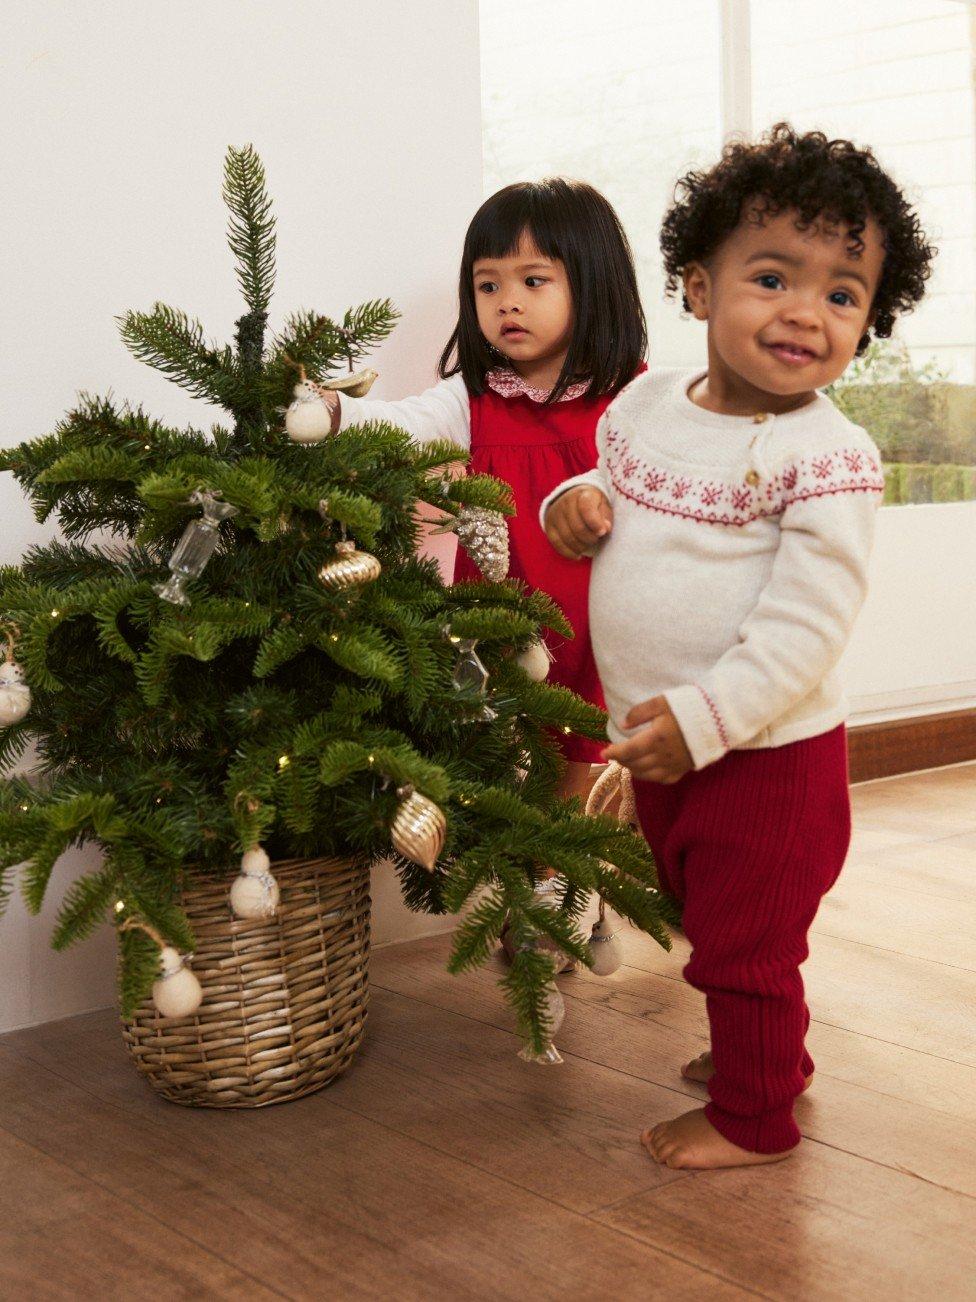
440,412
736,564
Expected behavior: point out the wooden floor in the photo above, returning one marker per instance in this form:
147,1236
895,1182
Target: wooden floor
443,1167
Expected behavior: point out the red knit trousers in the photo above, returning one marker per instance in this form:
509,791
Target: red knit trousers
750,845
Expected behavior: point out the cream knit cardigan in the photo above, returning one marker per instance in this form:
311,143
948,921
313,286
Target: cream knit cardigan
736,565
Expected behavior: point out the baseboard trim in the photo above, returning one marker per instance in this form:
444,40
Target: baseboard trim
927,741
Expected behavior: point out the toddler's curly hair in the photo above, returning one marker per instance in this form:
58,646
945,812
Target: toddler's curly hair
818,177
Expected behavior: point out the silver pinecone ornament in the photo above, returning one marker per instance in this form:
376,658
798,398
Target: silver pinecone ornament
484,536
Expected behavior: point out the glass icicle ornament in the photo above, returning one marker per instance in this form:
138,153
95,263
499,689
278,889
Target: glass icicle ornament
419,828
470,676
484,536
198,544
15,695
176,991
255,893
554,1016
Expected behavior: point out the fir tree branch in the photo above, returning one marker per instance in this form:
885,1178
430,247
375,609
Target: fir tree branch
251,230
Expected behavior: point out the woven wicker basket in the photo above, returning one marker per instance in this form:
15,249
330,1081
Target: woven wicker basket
284,1001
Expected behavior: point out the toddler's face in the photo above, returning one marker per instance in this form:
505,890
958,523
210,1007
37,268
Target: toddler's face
785,307
524,303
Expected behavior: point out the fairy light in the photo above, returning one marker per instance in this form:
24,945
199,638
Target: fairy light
284,761
120,906
565,729
55,614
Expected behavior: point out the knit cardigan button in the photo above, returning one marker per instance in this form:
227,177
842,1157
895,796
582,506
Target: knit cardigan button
752,478
760,418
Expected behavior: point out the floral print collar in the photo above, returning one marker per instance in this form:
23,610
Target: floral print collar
511,385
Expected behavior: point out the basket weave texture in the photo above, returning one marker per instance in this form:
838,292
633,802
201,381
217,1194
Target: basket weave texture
284,1000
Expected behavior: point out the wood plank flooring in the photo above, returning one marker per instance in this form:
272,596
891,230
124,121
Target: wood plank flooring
443,1167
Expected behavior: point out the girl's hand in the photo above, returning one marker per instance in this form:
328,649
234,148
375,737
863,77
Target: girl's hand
658,752
577,520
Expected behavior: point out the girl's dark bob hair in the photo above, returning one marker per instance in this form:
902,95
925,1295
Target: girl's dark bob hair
571,221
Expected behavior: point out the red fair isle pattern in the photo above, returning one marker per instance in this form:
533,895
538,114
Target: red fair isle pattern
737,502
714,712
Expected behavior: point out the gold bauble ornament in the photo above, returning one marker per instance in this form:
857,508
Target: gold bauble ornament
351,567
418,829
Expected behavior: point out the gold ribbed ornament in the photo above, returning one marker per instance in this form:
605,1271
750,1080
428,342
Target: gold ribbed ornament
419,828
351,567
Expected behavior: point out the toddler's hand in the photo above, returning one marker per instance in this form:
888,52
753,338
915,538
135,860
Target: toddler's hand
657,753
577,520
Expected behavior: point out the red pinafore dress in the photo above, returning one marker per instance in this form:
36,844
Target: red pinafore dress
533,448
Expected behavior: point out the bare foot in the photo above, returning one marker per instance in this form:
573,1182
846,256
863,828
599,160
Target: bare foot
702,1069
690,1142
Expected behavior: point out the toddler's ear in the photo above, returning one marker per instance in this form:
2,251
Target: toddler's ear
696,285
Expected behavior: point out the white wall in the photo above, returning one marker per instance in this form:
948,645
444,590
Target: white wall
116,119
914,646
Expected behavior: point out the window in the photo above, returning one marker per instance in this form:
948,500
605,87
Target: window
630,95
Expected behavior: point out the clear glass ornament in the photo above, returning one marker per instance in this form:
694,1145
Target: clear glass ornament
470,675
199,541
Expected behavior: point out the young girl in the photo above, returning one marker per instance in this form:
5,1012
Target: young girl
550,329
736,509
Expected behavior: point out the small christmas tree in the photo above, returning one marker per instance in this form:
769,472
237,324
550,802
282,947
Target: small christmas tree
275,691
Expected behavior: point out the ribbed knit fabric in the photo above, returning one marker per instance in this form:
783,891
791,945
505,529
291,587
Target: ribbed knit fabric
750,845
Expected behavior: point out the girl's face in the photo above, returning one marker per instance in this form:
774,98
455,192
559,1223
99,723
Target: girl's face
785,308
525,307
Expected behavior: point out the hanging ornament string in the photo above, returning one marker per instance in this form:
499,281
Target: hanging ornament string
15,695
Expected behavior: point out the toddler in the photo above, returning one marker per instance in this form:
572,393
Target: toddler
550,328
731,512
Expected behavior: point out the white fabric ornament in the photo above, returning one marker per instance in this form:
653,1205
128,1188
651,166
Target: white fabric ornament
309,417
15,695
535,660
604,948
255,893
176,992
